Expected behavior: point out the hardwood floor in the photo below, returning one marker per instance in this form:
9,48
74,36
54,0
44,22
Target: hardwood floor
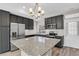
66,51
14,53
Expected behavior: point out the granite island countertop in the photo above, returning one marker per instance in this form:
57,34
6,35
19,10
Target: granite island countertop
35,45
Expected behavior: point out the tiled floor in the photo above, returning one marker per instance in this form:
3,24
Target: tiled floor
66,51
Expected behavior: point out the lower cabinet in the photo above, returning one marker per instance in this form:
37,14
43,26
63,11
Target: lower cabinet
4,39
61,43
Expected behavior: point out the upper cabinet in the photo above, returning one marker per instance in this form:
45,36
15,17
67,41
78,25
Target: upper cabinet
18,19
50,23
30,24
60,22
54,22
13,18
4,18
26,23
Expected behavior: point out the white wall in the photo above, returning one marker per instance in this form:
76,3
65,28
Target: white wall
40,23
71,40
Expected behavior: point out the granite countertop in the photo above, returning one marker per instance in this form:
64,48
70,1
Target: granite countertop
44,35
35,45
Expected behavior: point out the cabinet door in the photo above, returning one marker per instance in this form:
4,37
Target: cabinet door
45,23
5,39
23,22
5,18
53,22
13,18
0,19
26,23
0,41
59,21
49,20
30,24
50,23
19,19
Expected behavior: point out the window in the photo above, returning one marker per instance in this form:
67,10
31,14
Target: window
72,28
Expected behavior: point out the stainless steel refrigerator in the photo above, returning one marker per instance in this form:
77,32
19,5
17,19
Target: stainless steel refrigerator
17,31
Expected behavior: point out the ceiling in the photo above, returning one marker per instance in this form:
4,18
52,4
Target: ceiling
51,9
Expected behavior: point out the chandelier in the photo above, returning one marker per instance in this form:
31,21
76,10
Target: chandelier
36,12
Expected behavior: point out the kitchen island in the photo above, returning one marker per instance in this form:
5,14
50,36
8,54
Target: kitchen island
35,46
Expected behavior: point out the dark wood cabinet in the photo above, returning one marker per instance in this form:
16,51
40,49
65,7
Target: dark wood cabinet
50,23
23,22
4,18
5,39
13,18
49,20
61,42
46,22
0,41
55,22
59,21
26,23
18,19
4,31
30,24
0,19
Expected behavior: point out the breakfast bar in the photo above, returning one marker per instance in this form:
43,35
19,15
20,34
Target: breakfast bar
35,46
